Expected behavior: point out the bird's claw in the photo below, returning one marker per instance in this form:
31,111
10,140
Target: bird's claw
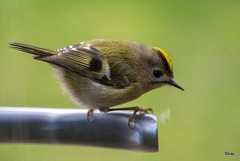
89,113
137,109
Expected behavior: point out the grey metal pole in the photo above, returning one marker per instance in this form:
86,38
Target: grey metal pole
70,126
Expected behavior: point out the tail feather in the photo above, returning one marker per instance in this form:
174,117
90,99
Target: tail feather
32,49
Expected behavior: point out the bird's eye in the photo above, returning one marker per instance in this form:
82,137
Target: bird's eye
157,73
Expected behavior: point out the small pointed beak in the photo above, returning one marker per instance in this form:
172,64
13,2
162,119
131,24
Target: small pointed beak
172,83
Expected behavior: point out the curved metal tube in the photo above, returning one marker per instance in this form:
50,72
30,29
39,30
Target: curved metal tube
70,126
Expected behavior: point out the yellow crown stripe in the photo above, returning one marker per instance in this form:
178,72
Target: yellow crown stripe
166,56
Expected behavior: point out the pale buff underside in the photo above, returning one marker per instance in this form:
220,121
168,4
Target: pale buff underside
85,92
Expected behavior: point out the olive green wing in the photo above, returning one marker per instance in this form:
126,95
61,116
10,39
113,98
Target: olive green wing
123,72
111,66
90,62
83,60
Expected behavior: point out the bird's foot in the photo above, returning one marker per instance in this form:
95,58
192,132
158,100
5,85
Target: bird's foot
137,109
131,118
89,114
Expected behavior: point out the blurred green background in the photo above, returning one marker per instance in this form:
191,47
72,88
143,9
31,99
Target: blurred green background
201,36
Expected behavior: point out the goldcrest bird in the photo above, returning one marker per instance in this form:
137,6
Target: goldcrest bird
99,74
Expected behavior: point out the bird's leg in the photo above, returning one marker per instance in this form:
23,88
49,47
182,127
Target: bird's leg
135,109
89,113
